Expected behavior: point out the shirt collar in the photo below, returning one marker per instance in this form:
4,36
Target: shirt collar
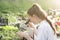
37,25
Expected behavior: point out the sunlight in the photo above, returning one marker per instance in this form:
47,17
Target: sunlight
56,3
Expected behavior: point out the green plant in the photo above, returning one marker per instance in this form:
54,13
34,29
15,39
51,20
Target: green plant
8,33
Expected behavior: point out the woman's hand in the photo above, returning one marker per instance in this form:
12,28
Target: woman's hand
32,26
22,34
25,35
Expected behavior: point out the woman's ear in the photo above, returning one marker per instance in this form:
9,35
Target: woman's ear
34,16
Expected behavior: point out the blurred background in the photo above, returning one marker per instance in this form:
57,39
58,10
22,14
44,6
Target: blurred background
13,13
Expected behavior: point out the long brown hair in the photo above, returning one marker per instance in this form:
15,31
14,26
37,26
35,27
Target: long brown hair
39,12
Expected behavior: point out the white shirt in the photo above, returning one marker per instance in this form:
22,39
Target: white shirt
45,32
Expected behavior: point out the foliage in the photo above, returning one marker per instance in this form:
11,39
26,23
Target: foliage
18,7
11,9
8,32
21,5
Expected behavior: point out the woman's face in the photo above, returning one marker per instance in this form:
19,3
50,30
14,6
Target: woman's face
33,19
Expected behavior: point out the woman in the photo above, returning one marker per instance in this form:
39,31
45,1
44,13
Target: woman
45,30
